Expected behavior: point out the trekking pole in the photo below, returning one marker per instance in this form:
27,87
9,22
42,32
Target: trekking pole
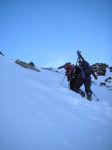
95,96
62,81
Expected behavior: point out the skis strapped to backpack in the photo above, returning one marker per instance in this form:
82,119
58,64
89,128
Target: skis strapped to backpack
83,65
80,58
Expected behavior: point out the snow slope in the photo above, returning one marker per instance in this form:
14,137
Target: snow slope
36,113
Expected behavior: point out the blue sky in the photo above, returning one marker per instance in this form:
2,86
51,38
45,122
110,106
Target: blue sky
49,32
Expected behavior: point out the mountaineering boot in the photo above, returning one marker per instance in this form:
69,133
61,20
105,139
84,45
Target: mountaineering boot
81,93
89,96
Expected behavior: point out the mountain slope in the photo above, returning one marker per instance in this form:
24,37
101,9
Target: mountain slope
36,113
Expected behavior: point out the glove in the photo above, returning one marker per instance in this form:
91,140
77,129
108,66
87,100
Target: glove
96,77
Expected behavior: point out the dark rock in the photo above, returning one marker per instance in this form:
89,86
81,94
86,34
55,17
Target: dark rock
102,84
100,68
1,53
31,64
108,79
110,69
26,65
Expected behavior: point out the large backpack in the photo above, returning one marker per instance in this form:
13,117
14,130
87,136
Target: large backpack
86,67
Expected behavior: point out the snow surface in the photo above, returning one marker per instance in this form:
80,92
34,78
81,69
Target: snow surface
37,113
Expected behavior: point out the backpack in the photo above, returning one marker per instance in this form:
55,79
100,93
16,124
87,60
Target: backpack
86,67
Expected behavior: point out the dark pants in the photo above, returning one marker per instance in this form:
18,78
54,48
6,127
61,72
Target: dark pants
72,83
87,84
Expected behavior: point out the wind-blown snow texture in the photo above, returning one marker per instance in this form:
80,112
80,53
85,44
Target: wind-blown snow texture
36,113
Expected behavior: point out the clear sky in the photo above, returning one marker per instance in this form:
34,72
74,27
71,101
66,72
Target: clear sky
48,32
